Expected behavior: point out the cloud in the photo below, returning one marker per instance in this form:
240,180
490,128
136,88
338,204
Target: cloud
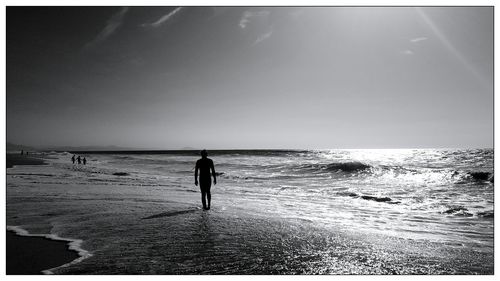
163,19
263,37
296,13
111,26
219,11
248,16
418,39
407,52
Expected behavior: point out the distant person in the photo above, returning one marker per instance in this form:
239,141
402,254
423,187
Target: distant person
84,161
73,159
22,152
79,160
205,165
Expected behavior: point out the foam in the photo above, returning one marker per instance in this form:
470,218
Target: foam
74,245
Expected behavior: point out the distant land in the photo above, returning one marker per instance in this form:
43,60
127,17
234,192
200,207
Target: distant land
89,148
19,147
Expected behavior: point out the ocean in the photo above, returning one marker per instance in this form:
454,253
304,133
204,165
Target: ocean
402,211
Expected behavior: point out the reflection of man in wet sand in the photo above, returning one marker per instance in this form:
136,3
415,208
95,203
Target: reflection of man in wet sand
204,165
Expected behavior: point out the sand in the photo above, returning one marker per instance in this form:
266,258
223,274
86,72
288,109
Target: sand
132,227
16,159
30,255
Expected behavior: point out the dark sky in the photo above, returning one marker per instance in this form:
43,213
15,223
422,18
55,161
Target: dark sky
250,77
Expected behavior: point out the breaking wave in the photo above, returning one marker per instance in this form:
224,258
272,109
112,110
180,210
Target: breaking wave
347,166
481,176
387,200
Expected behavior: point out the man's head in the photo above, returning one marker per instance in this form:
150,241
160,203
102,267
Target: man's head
204,153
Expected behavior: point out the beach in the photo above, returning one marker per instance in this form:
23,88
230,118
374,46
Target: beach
150,221
32,255
16,159
327,140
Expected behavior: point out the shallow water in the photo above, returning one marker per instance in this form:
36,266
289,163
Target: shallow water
328,211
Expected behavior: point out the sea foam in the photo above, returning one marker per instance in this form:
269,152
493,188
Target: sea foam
73,244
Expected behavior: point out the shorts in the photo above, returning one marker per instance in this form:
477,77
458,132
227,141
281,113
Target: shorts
205,185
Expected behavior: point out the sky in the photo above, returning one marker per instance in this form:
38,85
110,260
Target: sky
250,77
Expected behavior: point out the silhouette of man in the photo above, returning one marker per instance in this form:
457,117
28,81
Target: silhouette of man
73,159
79,160
205,165
84,161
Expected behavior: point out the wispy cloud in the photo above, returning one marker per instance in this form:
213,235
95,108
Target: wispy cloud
248,16
296,13
263,37
418,39
163,19
407,52
111,26
219,11
441,36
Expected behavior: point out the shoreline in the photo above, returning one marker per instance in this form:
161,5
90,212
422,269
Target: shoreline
33,254
243,233
36,254
16,159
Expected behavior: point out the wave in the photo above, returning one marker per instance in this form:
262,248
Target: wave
462,211
74,245
347,166
228,176
487,214
301,170
369,197
458,211
379,199
481,176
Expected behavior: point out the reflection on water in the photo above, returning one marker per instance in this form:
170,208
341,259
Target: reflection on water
171,214
328,211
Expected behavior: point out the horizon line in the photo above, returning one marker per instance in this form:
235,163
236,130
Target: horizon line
77,149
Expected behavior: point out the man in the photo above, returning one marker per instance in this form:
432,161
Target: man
205,165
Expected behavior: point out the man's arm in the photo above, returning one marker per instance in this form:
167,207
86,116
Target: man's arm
196,174
213,171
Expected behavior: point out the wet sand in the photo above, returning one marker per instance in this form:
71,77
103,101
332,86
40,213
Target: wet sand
31,255
16,159
131,227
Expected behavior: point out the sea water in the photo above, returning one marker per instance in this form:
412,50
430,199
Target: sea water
404,211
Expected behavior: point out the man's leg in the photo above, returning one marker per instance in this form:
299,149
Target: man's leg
209,197
203,193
